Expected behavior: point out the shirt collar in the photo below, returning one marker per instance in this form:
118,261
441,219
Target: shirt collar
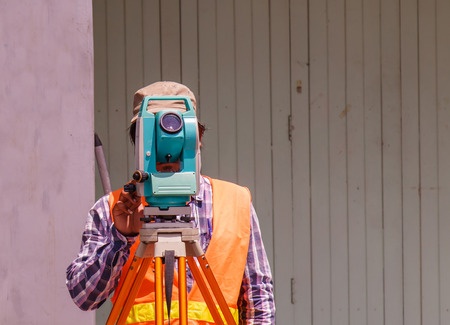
201,191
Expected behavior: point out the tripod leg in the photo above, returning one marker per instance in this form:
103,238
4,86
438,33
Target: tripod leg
216,289
123,294
182,290
133,291
159,307
205,291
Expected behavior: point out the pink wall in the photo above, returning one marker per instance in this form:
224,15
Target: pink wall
46,155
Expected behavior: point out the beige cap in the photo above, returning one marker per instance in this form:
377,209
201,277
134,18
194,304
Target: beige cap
162,88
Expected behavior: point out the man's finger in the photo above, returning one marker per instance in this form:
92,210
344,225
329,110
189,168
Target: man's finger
124,208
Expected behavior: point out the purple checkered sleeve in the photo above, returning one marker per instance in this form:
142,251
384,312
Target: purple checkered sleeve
256,303
94,274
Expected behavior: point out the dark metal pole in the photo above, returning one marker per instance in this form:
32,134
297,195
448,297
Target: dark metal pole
101,164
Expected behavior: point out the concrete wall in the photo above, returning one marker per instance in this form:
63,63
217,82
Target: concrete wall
46,155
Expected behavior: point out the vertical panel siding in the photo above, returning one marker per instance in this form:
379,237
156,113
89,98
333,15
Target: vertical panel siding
170,40
428,162
410,163
337,133
354,204
246,116
320,163
208,91
117,100
151,40
100,81
391,164
226,96
300,130
262,170
134,62
373,161
443,134
281,155
189,41
356,163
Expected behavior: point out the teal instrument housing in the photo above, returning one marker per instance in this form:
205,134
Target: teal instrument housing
155,145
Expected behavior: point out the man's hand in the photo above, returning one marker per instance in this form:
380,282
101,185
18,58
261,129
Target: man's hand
127,213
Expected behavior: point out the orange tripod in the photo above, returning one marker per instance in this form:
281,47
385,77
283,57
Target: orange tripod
182,239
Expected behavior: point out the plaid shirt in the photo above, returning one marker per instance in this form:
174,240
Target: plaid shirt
95,273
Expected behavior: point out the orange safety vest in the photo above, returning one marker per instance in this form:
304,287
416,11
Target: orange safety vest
226,254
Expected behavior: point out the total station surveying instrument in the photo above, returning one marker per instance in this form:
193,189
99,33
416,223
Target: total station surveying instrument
168,137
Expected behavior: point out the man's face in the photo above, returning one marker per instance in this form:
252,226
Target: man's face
168,167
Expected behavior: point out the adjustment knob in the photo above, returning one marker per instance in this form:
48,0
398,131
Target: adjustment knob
129,188
140,176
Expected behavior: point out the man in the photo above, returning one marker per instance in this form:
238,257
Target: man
229,234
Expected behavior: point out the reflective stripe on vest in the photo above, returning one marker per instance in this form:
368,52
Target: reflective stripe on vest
197,311
226,254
